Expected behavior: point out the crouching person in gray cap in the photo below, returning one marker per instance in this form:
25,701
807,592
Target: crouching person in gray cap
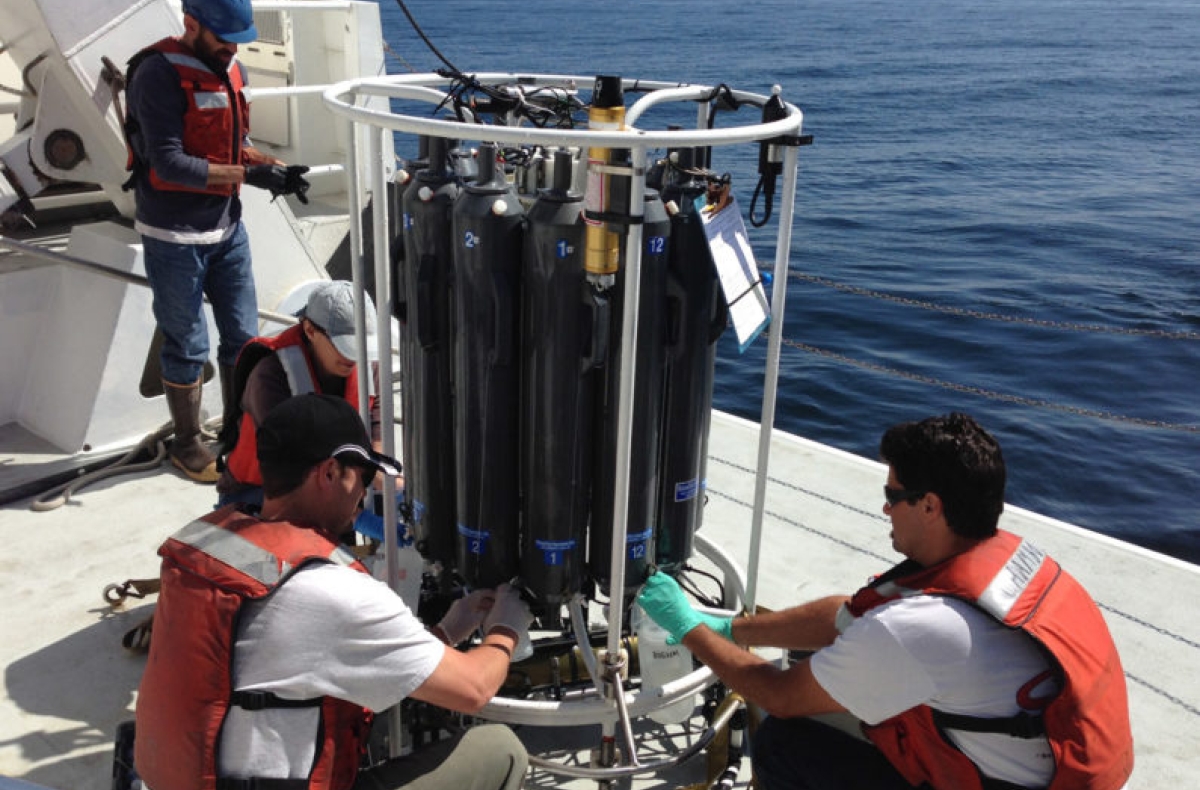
316,355
273,646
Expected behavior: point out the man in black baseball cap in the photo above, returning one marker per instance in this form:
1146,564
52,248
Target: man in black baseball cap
304,431
271,607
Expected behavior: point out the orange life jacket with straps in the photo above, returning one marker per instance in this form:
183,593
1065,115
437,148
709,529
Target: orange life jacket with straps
301,372
217,118
210,569
1086,723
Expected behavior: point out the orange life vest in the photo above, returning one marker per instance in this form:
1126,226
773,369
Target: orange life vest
301,374
210,569
217,118
1086,723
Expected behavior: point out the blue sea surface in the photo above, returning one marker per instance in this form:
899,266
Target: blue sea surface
1000,214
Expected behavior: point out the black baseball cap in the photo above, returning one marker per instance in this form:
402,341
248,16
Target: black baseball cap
304,430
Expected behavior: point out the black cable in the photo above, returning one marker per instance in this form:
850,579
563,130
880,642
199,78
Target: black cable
464,89
715,603
424,38
758,190
721,98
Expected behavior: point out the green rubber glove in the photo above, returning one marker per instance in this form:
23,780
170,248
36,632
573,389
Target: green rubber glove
666,604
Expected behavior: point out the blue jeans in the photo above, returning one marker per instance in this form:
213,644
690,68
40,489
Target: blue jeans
803,754
181,275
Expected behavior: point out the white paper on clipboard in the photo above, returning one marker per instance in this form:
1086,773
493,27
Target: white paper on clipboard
749,311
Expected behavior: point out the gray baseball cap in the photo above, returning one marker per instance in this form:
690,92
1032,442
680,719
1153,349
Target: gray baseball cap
331,307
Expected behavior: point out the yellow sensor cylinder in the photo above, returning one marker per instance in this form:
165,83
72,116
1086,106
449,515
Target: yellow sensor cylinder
603,246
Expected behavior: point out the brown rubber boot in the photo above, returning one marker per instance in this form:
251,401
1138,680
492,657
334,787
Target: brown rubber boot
187,451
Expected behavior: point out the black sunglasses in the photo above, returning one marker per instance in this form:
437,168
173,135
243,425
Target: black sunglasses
895,496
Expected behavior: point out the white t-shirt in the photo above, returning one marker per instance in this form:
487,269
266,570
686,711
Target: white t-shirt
942,652
328,631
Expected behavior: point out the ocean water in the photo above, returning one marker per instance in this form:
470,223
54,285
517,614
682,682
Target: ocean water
999,215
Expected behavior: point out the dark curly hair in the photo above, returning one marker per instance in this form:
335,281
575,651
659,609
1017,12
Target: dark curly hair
955,458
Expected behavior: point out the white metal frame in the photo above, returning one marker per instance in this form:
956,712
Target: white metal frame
345,99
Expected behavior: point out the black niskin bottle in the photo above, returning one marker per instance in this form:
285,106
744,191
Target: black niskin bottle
427,344
647,416
488,231
696,318
565,324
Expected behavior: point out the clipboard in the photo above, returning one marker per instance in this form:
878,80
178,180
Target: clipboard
737,271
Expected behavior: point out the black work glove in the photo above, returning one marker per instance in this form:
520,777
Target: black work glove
280,180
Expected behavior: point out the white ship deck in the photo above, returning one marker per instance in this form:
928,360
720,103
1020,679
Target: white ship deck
68,682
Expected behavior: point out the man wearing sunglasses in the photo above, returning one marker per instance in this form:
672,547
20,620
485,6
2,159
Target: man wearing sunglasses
273,645
188,130
975,664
